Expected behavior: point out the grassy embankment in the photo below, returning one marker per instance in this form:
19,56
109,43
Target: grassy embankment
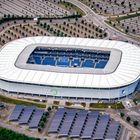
72,7
118,105
20,101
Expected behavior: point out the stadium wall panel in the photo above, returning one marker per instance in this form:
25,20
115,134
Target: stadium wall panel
112,93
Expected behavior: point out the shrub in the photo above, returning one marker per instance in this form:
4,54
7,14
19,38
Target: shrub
128,119
56,102
39,129
122,114
135,123
83,104
49,108
68,103
46,113
42,124
44,118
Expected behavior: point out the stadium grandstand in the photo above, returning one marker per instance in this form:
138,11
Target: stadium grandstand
69,57
63,67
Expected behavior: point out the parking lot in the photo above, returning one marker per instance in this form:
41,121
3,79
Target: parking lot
31,8
113,7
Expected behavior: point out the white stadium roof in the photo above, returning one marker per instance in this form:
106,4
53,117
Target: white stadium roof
127,72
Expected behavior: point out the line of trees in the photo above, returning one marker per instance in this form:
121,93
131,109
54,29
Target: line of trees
44,119
128,119
9,17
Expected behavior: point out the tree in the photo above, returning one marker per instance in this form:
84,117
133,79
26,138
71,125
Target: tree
9,15
38,22
5,15
105,34
114,25
126,31
6,134
133,30
39,129
135,123
128,119
49,109
42,124
46,113
122,114
41,24
122,3
76,19
44,118
3,41
51,29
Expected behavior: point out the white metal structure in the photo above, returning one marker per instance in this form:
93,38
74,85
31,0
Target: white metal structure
119,83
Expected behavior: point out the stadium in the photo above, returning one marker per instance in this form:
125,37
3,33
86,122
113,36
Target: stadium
70,68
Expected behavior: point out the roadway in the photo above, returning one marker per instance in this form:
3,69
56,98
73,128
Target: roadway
99,20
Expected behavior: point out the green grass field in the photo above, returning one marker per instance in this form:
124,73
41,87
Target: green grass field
19,101
106,105
69,5
6,134
116,19
6,99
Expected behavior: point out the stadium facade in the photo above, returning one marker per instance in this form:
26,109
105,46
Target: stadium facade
78,68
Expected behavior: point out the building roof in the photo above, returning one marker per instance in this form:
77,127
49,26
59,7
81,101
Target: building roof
127,72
